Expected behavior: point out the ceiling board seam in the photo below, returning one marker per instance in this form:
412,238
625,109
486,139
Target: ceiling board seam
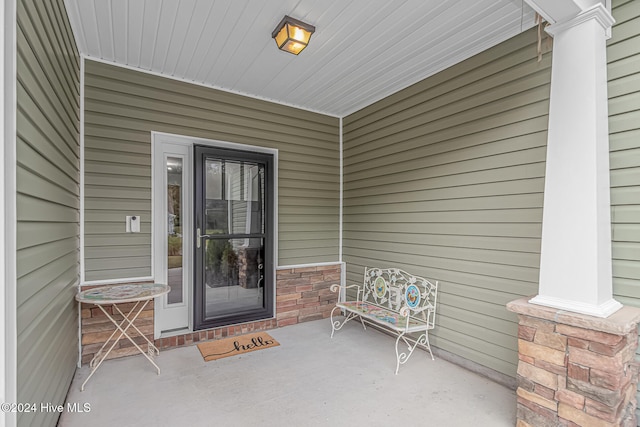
224,48
155,35
242,41
215,37
197,43
144,14
74,17
126,32
184,40
95,22
166,54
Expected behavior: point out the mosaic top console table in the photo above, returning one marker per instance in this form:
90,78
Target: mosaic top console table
140,294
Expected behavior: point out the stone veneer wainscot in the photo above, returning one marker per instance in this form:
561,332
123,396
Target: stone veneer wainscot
574,369
302,295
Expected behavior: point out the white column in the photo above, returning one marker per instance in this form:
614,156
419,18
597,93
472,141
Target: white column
575,259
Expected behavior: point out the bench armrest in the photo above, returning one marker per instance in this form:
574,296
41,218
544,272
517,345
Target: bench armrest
429,317
406,311
337,288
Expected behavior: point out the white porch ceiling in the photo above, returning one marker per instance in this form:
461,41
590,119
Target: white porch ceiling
361,52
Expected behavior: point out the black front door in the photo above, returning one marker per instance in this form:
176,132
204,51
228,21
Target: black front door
234,260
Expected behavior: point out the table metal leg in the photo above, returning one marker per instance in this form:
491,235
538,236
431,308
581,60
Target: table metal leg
152,350
97,356
129,320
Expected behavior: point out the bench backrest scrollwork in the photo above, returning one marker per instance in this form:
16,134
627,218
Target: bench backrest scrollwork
395,289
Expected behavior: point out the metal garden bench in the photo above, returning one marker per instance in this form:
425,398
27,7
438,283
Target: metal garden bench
395,300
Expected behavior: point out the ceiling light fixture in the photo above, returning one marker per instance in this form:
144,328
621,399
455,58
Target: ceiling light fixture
292,35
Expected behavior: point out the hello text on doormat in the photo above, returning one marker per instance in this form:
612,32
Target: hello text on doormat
232,346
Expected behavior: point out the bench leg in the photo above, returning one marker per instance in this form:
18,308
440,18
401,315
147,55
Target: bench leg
401,356
337,324
426,342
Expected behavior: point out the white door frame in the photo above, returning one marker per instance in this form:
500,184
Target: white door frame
159,232
8,317
175,318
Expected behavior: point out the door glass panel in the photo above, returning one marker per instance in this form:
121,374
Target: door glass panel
234,262
174,228
246,212
233,276
214,179
233,180
216,206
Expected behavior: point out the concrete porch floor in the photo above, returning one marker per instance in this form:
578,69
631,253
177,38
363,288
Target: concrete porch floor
309,380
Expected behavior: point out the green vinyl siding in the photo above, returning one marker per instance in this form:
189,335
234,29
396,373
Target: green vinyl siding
624,137
623,56
445,179
48,203
123,107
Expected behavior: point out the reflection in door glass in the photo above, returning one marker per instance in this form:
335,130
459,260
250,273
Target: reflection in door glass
234,197
216,206
233,276
174,229
234,261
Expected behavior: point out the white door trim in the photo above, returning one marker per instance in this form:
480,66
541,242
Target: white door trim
191,141
8,216
177,317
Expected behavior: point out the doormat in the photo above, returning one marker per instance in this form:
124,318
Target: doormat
213,350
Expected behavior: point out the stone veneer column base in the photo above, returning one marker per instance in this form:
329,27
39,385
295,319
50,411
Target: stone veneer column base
302,294
574,369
